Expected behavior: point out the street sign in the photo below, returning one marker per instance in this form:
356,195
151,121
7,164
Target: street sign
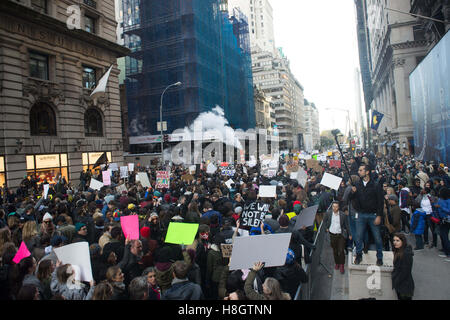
158,125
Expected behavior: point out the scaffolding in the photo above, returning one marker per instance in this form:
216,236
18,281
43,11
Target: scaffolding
193,42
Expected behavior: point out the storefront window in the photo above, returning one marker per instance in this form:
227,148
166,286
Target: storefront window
47,167
2,172
90,158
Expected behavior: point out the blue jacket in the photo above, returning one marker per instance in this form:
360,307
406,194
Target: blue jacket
418,222
444,209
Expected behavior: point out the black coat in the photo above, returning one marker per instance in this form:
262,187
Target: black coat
402,280
290,277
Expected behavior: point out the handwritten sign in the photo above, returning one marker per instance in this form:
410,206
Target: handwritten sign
162,179
253,214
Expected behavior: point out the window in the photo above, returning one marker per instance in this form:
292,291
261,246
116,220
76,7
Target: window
89,159
89,24
42,120
39,66
93,124
39,5
47,167
2,172
89,78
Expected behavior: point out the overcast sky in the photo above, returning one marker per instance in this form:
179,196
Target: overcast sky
319,39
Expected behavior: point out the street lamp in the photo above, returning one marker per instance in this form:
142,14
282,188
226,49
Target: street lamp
160,117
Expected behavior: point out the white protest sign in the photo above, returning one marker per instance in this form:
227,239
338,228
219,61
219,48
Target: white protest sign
270,249
77,254
192,169
330,181
143,178
211,169
267,191
229,183
121,188
114,167
244,169
293,175
46,187
302,177
124,172
306,217
131,167
95,184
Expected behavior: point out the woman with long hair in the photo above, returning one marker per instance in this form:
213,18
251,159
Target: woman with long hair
271,287
103,291
30,235
5,237
44,274
402,280
115,278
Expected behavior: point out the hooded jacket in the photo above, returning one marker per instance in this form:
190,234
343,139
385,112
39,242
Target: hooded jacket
418,222
402,280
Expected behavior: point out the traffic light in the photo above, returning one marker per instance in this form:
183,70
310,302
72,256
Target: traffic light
166,138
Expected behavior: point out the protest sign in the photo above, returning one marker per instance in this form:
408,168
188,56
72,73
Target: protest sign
302,177
242,232
293,175
131,167
121,188
271,173
335,163
124,172
162,179
229,183
77,254
46,187
228,172
114,167
253,214
192,169
95,184
306,217
211,169
130,226
267,191
181,233
187,177
331,181
106,178
270,249
226,250
23,252
143,178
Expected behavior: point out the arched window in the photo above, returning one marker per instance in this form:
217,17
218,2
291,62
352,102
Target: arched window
42,120
93,124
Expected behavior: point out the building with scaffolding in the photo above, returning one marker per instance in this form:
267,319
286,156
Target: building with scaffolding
197,43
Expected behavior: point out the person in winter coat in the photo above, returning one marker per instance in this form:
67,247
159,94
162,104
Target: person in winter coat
81,232
402,280
290,275
404,203
63,283
418,227
271,287
115,278
425,200
182,288
214,267
443,206
154,291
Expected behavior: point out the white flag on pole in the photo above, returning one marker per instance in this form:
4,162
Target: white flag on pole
101,87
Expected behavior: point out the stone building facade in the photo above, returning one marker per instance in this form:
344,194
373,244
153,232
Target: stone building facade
49,122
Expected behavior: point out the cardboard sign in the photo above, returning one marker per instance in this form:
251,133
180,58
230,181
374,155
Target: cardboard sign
335,163
143,178
267,191
187,177
306,217
253,214
181,233
114,167
331,181
130,226
77,254
270,249
106,178
22,253
226,249
95,184
162,179
292,167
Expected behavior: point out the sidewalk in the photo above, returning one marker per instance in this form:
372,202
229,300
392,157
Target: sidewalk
431,275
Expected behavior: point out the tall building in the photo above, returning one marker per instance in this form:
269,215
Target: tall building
196,43
265,116
260,21
311,126
395,49
49,65
272,75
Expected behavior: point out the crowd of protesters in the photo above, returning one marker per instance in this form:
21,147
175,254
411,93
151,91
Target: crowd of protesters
415,199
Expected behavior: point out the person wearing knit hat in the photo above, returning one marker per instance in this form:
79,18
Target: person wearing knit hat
145,232
81,234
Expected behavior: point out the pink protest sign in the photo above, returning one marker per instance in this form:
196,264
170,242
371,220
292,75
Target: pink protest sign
21,253
106,178
130,226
